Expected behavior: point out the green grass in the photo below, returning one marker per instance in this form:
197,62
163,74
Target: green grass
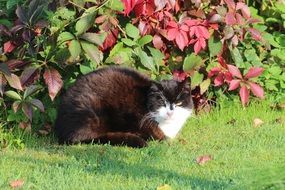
244,157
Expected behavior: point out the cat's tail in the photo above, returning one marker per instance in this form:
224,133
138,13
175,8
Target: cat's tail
114,138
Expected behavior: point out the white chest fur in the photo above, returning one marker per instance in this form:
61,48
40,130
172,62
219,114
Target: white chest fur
171,126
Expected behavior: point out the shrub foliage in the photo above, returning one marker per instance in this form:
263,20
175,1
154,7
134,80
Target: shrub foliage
227,47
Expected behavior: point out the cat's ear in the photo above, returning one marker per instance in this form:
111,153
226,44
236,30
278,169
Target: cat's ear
185,83
155,85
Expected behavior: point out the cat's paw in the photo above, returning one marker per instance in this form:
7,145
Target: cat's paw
138,143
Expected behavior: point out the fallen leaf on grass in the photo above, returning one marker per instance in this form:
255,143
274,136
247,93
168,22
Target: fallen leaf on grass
257,122
281,105
279,120
17,183
231,122
182,141
164,187
203,159
26,126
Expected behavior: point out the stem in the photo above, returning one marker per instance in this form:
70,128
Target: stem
77,5
124,33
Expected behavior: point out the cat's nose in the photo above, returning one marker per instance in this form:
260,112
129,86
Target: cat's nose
169,113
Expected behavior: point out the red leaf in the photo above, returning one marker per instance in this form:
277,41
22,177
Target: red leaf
240,19
203,159
231,4
234,84
8,47
254,72
181,39
253,20
172,24
143,27
110,40
15,106
244,9
235,40
219,80
234,71
222,61
244,95
16,183
28,74
26,126
157,42
129,5
230,18
144,7
202,32
159,4
53,81
216,18
197,47
14,63
172,33
38,104
214,71
180,76
202,42
228,77
28,110
255,34
101,19
256,90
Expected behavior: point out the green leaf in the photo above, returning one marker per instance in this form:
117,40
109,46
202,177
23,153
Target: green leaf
146,60
196,79
13,94
116,5
85,68
278,53
236,56
84,23
252,57
4,69
120,55
270,39
191,61
145,40
204,86
92,52
95,38
31,90
64,36
74,48
129,42
132,31
157,56
14,81
215,46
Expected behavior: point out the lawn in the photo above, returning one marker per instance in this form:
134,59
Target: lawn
243,157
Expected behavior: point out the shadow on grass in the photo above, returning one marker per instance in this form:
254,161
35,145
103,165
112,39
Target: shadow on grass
136,164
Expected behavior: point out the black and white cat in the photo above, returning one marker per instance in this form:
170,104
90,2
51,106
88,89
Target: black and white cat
121,106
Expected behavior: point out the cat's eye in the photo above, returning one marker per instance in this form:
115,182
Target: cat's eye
178,104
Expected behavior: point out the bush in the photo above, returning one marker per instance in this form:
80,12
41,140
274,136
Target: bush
223,45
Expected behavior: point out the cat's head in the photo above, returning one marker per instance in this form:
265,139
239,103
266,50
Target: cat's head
169,98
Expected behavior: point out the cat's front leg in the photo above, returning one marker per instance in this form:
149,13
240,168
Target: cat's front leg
151,131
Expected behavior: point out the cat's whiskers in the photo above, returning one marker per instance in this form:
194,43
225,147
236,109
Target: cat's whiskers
147,119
